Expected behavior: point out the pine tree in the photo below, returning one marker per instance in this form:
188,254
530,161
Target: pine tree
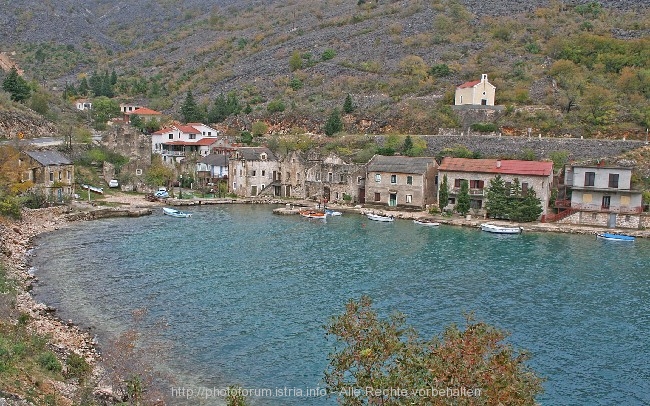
190,110
219,110
83,87
443,194
407,147
513,206
334,123
496,200
16,86
531,206
462,201
348,107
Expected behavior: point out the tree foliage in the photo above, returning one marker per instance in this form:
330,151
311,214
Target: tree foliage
443,194
103,110
348,107
375,357
462,200
158,173
511,202
15,85
190,110
334,123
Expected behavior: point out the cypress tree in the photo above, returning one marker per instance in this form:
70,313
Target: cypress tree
443,194
462,202
18,87
190,110
496,200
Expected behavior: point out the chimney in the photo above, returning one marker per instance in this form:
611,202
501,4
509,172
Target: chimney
498,163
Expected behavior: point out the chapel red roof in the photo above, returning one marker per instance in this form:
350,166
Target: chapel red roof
469,84
143,111
506,166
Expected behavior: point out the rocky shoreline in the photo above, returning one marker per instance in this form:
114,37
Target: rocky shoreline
64,337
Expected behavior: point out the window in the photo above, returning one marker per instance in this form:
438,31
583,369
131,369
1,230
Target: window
594,216
240,172
393,179
475,204
263,156
452,200
192,136
234,186
330,176
377,196
263,173
336,195
341,178
590,178
60,175
138,172
171,136
253,173
377,177
409,198
359,178
253,190
262,186
458,182
476,184
51,176
613,180
606,202
409,180
68,174
524,188
209,133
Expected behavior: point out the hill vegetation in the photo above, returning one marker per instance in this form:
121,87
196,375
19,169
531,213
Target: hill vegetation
581,68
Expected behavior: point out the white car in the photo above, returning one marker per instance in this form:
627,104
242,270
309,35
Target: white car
113,183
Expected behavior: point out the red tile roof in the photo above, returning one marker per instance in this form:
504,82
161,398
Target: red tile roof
188,129
469,84
506,166
143,111
165,131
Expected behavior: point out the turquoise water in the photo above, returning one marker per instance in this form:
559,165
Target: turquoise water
245,294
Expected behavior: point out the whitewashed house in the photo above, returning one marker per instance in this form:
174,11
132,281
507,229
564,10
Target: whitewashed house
477,93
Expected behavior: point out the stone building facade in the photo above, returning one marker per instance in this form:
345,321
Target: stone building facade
50,172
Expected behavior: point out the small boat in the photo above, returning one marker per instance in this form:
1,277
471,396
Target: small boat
426,222
493,228
310,214
95,189
614,237
176,213
377,217
332,213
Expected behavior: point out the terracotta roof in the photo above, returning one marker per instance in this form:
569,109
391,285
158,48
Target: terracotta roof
188,129
165,131
207,141
143,111
506,166
469,84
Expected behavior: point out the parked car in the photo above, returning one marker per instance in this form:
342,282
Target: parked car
161,192
113,183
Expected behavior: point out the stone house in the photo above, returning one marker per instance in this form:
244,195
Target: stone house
137,147
293,175
600,195
83,104
212,169
332,179
402,181
477,93
50,172
251,170
537,175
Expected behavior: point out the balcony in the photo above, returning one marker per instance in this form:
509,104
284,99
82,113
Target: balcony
173,153
472,192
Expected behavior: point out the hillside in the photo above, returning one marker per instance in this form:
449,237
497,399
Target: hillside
399,60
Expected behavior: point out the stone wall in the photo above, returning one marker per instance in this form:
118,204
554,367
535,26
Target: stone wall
633,221
495,146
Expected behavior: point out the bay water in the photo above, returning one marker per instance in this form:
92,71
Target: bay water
245,293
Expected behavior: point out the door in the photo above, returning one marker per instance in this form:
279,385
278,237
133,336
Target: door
287,191
611,221
362,195
392,201
326,194
606,202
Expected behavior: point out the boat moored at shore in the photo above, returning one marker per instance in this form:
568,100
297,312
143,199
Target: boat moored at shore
493,228
380,218
175,213
614,237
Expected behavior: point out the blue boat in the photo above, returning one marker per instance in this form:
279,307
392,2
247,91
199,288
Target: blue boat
614,237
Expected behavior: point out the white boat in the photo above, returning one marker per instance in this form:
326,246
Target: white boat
95,189
614,237
377,217
176,213
493,228
426,222
329,212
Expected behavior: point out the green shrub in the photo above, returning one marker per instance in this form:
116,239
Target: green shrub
78,367
484,127
275,106
49,362
10,207
328,54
